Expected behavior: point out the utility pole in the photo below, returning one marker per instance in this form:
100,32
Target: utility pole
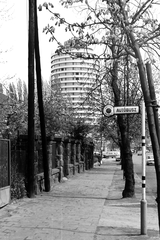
41,108
31,44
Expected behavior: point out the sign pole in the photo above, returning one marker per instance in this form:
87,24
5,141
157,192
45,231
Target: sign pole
143,201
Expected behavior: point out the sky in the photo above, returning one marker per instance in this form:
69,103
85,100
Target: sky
14,39
13,43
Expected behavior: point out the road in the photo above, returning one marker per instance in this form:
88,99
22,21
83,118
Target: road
150,174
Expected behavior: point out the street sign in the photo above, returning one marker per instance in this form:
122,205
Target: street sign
109,110
126,110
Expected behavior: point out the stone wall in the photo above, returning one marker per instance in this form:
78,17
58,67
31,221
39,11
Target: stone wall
66,157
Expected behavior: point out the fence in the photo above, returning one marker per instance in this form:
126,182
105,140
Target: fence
66,157
4,172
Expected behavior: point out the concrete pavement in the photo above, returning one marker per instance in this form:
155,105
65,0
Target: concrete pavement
87,206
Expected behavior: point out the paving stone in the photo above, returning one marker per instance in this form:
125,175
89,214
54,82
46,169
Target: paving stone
88,206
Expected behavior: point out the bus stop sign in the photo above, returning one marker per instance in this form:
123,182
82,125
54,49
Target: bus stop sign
109,110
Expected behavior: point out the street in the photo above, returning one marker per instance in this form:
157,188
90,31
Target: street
151,183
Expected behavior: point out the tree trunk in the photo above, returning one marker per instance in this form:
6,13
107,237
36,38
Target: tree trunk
126,151
129,189
153,98
155,110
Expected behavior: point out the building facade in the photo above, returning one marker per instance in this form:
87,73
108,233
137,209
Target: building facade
76,77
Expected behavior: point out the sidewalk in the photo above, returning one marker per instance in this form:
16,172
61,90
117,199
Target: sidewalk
86,207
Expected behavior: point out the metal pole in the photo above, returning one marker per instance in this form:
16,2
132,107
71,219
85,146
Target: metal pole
143,201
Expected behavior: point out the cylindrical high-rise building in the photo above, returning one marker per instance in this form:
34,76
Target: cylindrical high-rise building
76,77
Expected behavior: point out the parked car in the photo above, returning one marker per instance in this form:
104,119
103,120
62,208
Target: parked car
109,154
139,153
118,159
149,160
96,157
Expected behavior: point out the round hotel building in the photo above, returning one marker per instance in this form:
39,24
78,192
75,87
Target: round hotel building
76,77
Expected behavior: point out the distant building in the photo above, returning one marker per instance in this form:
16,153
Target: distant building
158,96
3,99
76,77
4,103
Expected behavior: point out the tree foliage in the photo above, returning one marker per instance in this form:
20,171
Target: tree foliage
15,113
108,21
59,115
58,111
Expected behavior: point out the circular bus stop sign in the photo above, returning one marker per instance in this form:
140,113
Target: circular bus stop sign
108,110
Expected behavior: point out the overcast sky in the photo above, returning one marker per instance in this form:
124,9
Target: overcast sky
14,39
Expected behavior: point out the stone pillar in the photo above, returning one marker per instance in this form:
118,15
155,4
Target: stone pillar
59,155
61,159
89,152
36,155
49,151
54,161
20,154
92,158
78,155
67,156
69,153
73,154
83,155
86,151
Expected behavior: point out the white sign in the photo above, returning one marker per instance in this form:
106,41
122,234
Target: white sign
126,110
109,110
